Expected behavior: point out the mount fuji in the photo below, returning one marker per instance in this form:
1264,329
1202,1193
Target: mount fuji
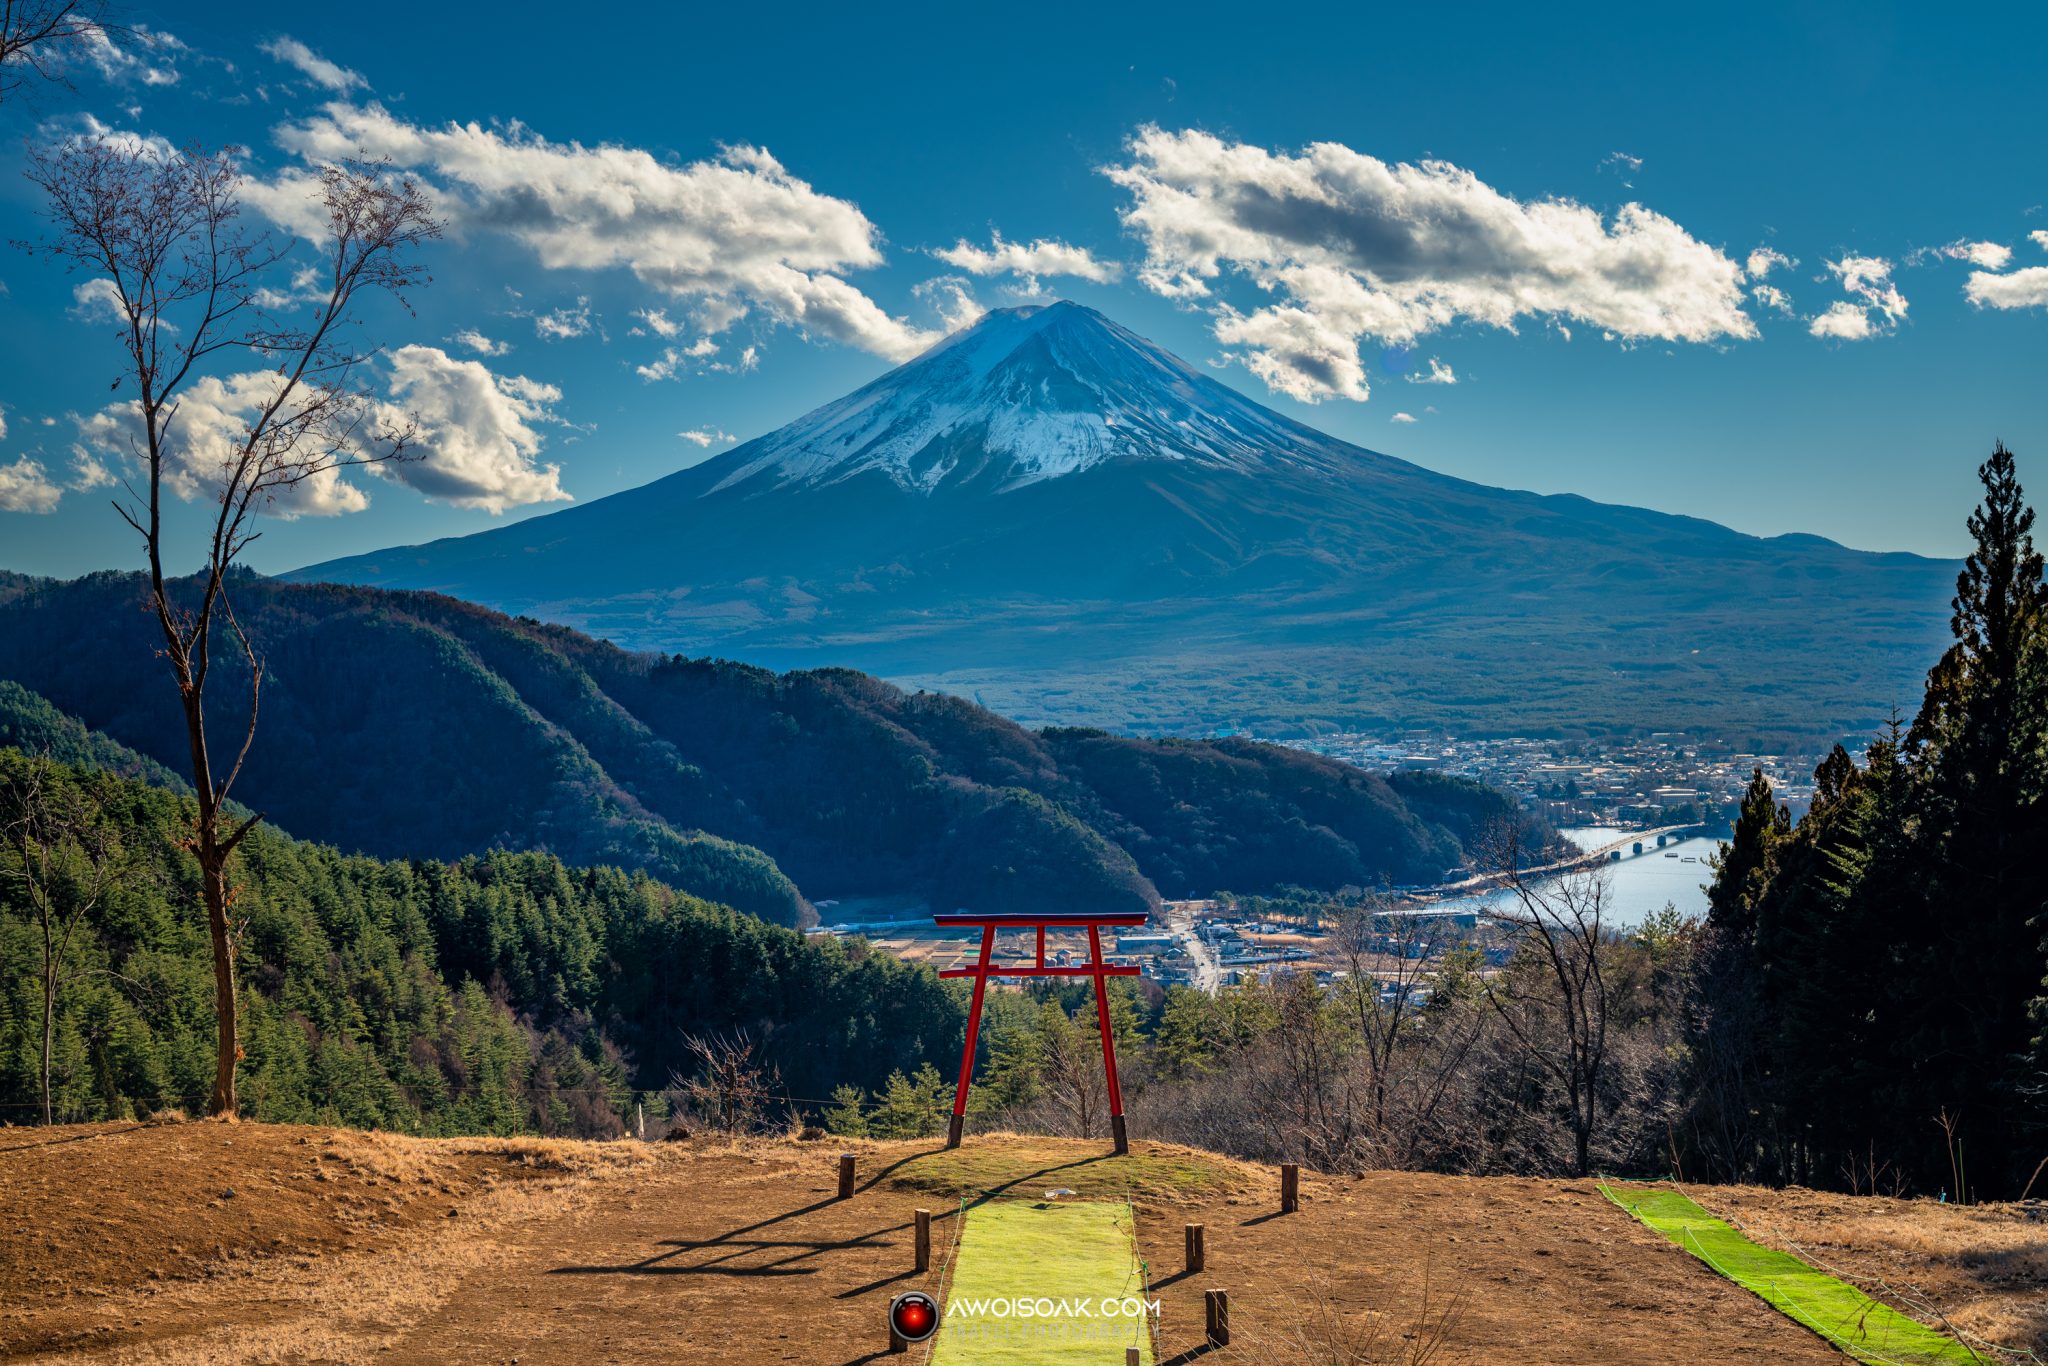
1071,524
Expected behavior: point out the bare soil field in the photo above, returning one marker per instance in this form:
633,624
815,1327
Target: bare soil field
121,1243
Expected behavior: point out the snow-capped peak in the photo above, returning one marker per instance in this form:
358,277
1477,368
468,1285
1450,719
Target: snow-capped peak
1023,395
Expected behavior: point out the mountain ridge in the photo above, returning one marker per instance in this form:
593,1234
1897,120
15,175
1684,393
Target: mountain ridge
1052,513
415,725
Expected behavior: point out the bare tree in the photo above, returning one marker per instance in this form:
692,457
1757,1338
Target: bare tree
1069,1065
191,284
1555,996
37,35
730,1085
1391,964
65,856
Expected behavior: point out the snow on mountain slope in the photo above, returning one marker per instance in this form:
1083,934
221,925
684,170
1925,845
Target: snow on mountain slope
1024,395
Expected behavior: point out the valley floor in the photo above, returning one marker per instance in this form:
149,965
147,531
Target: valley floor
124,1243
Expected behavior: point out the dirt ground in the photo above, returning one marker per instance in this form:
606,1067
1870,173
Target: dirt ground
121,1244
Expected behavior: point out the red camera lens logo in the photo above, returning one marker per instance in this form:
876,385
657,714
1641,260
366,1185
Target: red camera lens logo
914,1316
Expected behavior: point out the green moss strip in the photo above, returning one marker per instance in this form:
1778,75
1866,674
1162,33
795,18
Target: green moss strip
1860,1326
1044,1284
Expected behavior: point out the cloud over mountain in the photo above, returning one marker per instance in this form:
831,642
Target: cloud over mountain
1355,248
478,438
727,237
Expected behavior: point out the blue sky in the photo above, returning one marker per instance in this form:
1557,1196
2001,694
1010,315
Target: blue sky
1327,208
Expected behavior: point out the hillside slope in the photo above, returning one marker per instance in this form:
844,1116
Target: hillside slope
414,725
1070,523
504,993
343,1246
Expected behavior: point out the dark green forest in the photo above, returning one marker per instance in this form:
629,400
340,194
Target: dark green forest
499,993
1872,1008
413,725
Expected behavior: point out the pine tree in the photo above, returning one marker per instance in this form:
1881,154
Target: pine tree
1980,746
1742,867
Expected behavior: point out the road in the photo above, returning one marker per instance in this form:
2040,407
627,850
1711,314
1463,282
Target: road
1180,921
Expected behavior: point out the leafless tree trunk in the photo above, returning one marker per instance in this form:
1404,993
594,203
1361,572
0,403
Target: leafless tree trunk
1555,1000
65,856
36,36
188,277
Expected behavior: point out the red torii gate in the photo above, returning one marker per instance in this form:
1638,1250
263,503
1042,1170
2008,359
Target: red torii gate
1095,967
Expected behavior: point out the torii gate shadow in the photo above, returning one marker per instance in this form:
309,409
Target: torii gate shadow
803,1249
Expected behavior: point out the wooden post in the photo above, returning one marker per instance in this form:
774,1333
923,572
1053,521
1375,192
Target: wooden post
1216,1304
1198,1258
1132,1357
924,1240
1290,1187
897,1342
640,1118
846,1176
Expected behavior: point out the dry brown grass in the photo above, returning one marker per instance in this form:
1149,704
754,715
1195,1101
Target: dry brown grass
340,1247
332,1241
1982,1269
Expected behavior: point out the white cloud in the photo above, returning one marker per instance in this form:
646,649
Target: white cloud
1764,260
728,237
2022,289
476,341
1621,159
24,487
1439,373
292,199
658,321
478,443
1354,247
673,360
1990,255
88,472
312,65
572,320
476,446
1843,321
306,288
1404,417
2039,237
1877,308
1770,296
952,299
707,437
96,301
1046,256
204,434
142,55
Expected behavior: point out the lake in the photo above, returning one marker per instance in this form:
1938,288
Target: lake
1640,883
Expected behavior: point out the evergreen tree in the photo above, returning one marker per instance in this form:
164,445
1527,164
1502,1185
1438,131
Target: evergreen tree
1742,867
1980,749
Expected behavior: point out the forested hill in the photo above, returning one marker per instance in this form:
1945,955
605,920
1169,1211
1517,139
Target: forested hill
415,725
505,993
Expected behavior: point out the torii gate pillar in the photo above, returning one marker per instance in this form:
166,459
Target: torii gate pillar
1096,968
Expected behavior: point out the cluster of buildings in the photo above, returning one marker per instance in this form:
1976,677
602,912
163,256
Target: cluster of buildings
1667,777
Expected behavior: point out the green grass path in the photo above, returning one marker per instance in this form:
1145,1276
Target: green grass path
1860,1326
1074,1255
